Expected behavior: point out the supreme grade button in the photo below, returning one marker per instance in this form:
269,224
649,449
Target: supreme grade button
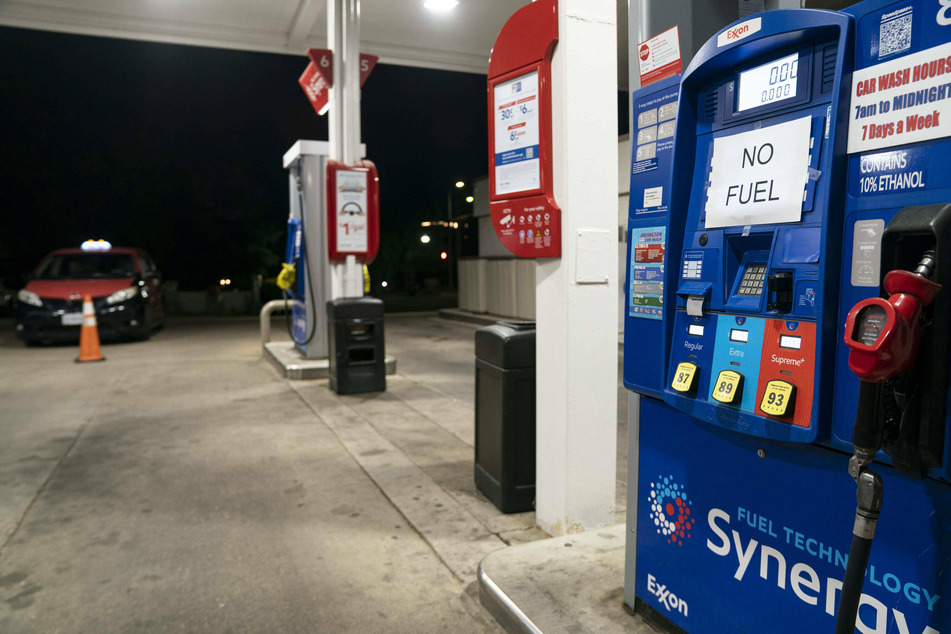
779,399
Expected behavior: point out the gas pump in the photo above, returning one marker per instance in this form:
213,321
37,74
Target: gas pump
742,500
305,277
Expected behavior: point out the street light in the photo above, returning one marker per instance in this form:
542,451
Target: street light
452,225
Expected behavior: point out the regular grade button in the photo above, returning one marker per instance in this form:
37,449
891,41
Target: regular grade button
685,378
728,388
779,399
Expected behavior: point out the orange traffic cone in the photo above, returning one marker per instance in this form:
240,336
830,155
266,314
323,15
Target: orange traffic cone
89,334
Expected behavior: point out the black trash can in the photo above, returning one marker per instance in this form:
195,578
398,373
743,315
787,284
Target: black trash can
357,356
505,414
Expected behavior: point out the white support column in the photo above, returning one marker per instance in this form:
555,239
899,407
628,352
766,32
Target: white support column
343,36
576,337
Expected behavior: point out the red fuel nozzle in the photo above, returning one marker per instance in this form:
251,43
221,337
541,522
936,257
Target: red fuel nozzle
883,335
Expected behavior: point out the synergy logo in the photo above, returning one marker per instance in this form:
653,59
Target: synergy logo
670,510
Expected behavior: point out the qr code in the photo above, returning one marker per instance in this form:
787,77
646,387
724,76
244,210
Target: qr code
530,152
895,35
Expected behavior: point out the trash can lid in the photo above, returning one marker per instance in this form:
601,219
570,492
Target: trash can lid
508,345
355,308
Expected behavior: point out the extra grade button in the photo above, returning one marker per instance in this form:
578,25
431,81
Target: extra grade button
728,388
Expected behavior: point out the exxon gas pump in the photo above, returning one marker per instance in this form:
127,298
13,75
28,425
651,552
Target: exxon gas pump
745,504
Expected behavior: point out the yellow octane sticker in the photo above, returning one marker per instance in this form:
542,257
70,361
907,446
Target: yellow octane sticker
777,398
683,377
727,387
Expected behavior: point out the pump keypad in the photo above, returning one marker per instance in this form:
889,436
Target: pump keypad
778,399
728,388
752,282
685,378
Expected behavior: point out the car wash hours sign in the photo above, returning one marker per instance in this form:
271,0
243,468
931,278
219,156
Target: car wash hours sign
900,111
901,86
902,101
758,177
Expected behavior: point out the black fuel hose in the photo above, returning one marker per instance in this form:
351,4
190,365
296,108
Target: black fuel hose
852,585
869,495
867,433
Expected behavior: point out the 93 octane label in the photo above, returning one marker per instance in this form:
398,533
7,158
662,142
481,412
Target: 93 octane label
778,398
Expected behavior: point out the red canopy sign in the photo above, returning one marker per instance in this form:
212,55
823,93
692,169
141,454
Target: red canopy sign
318,77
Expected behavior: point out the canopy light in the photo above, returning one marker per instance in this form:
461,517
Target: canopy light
469,199
460,184
424,239
440,5
95,245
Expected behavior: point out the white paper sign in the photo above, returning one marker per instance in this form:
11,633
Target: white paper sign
351,212
758,177
902,101
517,164
653,196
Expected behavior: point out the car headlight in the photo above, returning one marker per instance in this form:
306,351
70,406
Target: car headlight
123,295
29,297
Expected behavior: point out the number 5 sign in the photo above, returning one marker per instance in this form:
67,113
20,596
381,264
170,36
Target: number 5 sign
318,77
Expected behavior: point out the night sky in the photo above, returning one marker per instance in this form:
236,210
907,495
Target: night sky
177,149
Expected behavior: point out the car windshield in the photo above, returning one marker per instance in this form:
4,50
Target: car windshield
73,266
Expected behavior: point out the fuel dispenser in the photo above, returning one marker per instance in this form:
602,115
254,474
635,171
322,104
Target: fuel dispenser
305,274
744,504
334,218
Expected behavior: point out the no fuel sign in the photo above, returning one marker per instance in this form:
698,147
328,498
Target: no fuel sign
758,177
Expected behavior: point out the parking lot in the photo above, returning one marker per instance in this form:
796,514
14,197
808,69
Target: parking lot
182,485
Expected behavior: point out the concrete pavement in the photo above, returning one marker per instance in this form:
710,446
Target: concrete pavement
181,485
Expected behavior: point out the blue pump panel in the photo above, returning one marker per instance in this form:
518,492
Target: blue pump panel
293,254
760,154
898,156
737,536
654,109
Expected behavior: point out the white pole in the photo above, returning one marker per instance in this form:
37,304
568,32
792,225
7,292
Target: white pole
343,34
576,337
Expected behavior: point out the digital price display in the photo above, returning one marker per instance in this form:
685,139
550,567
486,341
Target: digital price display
768,83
